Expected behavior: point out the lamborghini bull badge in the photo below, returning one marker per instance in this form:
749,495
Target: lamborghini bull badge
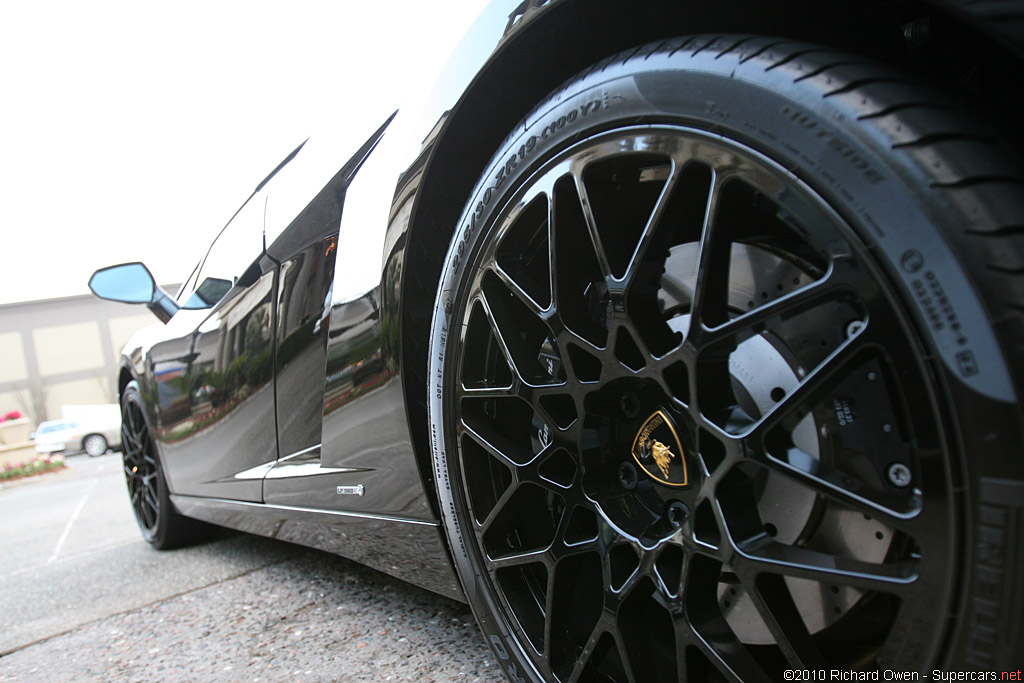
659,452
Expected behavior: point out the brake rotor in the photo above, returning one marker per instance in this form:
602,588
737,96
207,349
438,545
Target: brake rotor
764,369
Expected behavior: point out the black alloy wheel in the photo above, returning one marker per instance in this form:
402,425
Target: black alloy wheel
161,525
686,422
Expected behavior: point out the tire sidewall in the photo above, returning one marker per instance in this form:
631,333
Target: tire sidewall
159,537
848,163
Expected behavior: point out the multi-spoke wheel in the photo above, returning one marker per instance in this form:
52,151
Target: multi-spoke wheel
94,445
160,523
709,377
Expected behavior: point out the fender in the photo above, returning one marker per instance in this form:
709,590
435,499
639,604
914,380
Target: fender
436,148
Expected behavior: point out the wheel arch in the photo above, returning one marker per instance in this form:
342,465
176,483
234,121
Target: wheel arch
123,378
536,56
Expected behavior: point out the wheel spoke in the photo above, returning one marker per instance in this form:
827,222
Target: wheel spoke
523,468
713,637
128,421
500,453
518,559
516,289
497,511
710,294
627,660
656,222
519,332
591,223
583,660
151,495
774,602
746,324
506,352
775,558
584,657
492,392
897,510
129,439
813,383
150,515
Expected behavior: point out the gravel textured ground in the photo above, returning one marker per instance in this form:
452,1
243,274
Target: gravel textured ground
312,617
84,598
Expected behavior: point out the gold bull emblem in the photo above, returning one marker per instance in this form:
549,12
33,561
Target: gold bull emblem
662,455
646,447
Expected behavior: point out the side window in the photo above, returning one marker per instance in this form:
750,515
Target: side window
234,250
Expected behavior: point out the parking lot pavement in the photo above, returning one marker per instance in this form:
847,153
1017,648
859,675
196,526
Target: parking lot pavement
82,597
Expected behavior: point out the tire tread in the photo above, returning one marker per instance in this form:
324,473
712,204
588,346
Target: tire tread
970,170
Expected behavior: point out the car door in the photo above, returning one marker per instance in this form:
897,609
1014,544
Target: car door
214,374
305,247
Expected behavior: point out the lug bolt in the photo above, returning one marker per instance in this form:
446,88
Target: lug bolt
629,404
676,513
899,474
628,477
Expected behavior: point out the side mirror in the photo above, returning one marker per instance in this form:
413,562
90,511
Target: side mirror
132,283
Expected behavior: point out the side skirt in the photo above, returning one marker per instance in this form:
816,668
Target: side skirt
412,550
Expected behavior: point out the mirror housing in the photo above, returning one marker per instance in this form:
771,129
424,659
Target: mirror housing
132,283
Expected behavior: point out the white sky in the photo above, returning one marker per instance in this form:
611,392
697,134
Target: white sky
133,130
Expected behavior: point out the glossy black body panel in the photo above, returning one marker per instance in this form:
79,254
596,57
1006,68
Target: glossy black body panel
328,389
214,393
405,550
301,347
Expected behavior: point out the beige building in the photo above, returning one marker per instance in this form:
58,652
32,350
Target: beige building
63,352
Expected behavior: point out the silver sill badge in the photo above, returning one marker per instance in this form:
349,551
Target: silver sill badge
356,490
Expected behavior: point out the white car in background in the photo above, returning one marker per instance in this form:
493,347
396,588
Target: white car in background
93,431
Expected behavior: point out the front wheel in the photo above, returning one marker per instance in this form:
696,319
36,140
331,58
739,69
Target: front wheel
718,388
161,525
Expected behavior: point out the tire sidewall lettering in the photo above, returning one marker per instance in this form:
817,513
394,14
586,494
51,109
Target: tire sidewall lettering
585,108
543,134
873,197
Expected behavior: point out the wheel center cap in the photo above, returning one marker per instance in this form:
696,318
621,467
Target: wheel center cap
658,450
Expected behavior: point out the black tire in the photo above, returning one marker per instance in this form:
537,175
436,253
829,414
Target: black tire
94,445
161,524
841,486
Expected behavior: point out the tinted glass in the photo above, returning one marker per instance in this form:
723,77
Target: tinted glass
56,427
129,282
207,294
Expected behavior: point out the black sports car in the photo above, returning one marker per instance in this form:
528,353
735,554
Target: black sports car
693,352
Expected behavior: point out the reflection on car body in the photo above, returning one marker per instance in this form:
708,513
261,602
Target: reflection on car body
694,365
95,432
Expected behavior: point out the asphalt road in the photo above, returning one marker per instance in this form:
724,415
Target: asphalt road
82,598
